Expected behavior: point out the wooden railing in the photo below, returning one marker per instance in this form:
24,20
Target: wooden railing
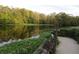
48,46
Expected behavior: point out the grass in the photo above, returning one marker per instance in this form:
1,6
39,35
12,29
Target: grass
26,46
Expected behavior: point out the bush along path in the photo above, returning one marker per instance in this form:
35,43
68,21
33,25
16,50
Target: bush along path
70,32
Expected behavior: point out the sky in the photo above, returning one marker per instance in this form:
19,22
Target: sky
45,6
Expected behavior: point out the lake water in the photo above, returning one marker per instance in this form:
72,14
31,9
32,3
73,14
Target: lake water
67,46
20,31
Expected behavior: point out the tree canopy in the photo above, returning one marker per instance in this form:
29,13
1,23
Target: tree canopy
24,16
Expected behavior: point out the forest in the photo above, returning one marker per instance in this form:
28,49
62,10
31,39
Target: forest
24,16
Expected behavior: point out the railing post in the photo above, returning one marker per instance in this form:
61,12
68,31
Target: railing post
54,41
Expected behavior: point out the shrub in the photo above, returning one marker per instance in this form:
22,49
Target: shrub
25,46
70,32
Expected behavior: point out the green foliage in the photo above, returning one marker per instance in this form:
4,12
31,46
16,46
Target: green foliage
25,46
23,16
45,34
70,32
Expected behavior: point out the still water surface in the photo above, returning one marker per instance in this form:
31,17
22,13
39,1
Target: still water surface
20,31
